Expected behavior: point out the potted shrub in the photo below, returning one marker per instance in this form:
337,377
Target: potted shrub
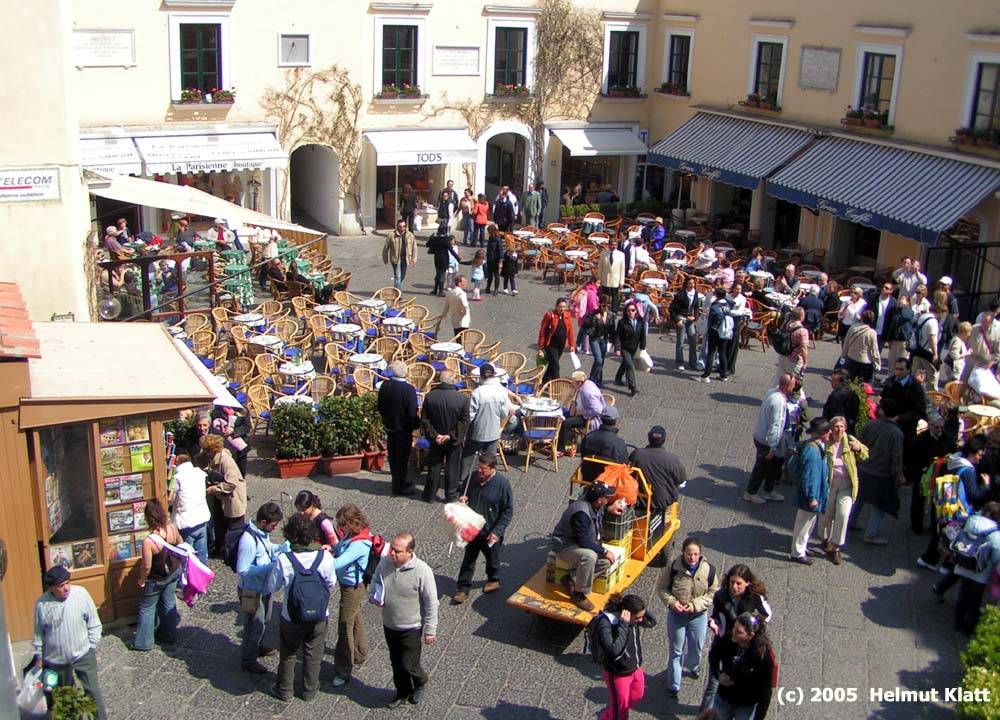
190,96
374,449
70,702
872,118
854,116
295,439
343,430
222,97
409,91
389,92
565,211
769,103
964,136
753,100
985,138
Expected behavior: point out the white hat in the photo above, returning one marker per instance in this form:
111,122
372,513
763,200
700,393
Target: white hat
219,221
945,280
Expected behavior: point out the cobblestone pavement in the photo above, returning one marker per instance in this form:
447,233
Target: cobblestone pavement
871,623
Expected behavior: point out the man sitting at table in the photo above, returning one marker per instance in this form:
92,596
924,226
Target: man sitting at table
185,237
791,279
657,235
706,258
643,260
585,411
813,306
222,236
293,275
602,444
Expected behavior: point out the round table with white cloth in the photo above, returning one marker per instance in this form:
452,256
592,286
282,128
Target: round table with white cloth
560,230
441,350
656,282
598,240
368,360
761,274
986,411
985,383
268,342
299,371
374,304
403,322
811,274
289,399
685,234
524,233
540,241
349,330
331,309
501,373
634,234
541,406
253,320
576,254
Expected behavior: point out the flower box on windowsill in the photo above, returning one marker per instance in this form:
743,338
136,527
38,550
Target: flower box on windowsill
674,93
760,106
984,146
857,125
624,94
508,97
399,99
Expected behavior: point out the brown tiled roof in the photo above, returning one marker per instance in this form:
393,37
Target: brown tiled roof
17,337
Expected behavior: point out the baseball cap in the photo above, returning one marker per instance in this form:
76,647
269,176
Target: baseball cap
219,221
609,413
56,576
487,371
657,433
598,490
945,280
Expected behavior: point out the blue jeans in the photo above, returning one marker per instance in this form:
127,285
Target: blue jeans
398,273
197,537
254,626
689,629
158,614
597,349
687,335
874,523
733,712
479,235
468,233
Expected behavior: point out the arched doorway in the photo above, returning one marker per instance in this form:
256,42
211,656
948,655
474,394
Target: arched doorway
314,179
504,158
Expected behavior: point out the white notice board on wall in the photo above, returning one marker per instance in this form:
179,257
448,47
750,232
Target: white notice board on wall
455,60
819,68
103,48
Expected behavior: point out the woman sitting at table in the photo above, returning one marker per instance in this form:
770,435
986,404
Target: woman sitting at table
293,275
760,296
756,262
725,275
705,259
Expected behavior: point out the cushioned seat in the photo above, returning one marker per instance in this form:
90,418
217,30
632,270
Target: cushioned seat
479,362
541,434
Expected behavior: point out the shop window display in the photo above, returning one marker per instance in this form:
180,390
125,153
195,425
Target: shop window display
70,501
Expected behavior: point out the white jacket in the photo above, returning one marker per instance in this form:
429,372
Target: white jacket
611,269
190,503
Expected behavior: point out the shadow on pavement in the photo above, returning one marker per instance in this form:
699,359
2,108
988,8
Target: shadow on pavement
510,711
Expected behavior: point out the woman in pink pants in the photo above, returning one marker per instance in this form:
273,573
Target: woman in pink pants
618,646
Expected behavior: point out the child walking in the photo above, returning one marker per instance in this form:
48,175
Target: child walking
478,275
453,261
509,269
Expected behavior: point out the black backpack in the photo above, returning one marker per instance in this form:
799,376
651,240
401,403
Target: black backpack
308,596
591,643
232,544
781,339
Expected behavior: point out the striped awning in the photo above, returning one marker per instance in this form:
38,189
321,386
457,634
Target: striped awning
891,188
732,150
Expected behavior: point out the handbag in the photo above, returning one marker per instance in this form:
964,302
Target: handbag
643,360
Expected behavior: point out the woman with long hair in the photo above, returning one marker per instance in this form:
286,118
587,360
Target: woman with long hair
159,572
743,662
741,592
620,645
309,506
600,328
350,562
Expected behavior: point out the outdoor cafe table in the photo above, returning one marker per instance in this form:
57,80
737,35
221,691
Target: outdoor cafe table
441,350
317,279
294,372
270,343
176,331
762,275
375,305
289,254
501,373
404,323
811,274
540,241
685,235
781,299
524,233
303,265
657,283
597,240
289,399
203,245
347,333
233,255
634,234
675,262
369,360
864,286
731,233
330,310
541,406
560,230
579,254
252,320
986,411
236,269
241,288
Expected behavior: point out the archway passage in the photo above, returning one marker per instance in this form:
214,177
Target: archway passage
506,163
314,177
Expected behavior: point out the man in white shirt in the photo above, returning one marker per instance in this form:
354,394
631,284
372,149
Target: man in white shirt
740,314
908,277
456,307
925,353
489,406
705,258
611,272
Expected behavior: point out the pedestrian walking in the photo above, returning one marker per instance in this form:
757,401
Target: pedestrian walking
796,361
439,245
684,311
859,351
307,575
255,554
504,211
630,338
159,571
812,476
408,207
400,252
350,563
405,589
880,477
489,405
744,664
619,644
480,217
611,272
456,307
494,256
600,328
477,275
465,208
445,419
720,333
982,530
489,494
67,631
532,206
555,334
843,453
662,469
767,433
686,587
510,263
309,505
397,405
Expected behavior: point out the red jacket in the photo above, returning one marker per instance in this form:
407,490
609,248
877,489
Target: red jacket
549,323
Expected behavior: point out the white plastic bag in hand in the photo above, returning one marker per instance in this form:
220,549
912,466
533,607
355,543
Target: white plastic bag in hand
643,361
31,698
577,364
463,523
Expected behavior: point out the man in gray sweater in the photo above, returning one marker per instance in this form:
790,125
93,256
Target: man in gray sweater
405,589
767,432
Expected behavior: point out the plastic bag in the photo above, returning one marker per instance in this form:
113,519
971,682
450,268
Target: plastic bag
643,361
462,522
197,576
31,698
621,479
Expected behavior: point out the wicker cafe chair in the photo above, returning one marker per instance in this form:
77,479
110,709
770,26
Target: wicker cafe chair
470,339
527,381
242,370
562,389
322,386
387,347
388,295
260,400
421,376
540,430
195,322
512,362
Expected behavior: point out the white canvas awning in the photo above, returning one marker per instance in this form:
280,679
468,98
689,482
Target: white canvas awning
111,155
588,142
422,147
208,153
184,199
223,397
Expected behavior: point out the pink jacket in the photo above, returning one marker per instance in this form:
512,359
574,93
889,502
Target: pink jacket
586,302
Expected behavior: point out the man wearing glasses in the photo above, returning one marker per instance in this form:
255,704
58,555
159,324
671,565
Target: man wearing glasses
629,339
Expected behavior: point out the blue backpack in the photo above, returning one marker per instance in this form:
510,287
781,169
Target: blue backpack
308,595
973,552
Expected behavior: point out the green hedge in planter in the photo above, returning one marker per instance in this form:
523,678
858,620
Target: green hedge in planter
348,425
981,661
70,702
295,431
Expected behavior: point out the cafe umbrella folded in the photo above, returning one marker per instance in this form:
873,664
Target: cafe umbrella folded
83,409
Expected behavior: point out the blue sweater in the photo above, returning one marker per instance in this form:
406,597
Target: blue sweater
815,480
350,557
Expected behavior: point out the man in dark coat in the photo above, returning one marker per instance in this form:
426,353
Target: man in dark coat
662,469
881,475
445,418
397,404
884,305
603,443
503,212
490,496
630,338
842,400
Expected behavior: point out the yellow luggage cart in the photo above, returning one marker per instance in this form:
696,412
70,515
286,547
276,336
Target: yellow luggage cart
649,536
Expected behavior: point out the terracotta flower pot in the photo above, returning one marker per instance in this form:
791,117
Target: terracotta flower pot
388,96
873,122
852,121
342,464
373,460
296,467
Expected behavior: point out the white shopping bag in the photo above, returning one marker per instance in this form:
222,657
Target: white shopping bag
31,699
576,361
643,361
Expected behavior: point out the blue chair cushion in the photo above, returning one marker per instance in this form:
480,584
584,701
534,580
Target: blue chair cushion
292,352
241,398
479,362
438,365
391,312
524,389
348,380
422,358
207,363
539,434
371,332
266,414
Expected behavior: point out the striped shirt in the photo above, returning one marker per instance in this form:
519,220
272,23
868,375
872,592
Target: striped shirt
66,630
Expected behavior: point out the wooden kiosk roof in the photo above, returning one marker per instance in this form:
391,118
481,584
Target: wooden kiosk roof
89,371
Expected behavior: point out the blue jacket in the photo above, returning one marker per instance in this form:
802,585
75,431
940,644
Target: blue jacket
975,492
814,483
254,557
717,312
350,557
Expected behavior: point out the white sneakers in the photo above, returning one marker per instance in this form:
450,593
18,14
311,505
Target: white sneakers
754,498
773,496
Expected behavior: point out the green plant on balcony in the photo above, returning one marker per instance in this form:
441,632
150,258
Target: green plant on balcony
753,100
223,97
410,91
874,119
986,137
191,95
674,88
624,91
389,92
854,116
511,90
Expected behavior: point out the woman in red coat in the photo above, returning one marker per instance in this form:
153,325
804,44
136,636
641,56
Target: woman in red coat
554,336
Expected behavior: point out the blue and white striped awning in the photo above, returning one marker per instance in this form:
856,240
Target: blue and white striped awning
889,188
729,149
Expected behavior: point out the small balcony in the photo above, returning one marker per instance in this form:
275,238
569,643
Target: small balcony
674,89
867,121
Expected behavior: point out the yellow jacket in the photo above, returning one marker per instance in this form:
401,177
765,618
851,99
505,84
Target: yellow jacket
850,458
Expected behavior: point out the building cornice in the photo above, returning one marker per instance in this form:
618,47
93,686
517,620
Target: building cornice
628,16
201,4
680,17
416,8
511,10
772,23
885,30
983,37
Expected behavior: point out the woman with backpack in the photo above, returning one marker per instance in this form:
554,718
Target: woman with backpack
617,645
843,453
159,572
687,587
741,592
975,565
720,334
351,557
743,662
309,506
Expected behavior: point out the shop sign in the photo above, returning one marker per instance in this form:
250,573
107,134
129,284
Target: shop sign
453,60
103,48
29,185
704,170
215,165
847,213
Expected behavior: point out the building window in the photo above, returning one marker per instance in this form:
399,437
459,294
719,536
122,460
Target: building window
680,55
623,59
510,57
986,99
201,57
876,83
399,55
767,74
